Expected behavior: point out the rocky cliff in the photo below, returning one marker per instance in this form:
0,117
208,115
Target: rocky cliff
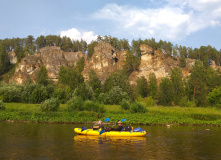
154,61
105,60
51,57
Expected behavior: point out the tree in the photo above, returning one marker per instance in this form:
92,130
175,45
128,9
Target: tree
84,91
80,65
91,48
94,82
142,86
132,62
177,84
166,91
198,83
214,97
117,79
70,77
152,87
42,76
115,96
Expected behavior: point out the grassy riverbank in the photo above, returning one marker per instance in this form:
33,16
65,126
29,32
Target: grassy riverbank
155,115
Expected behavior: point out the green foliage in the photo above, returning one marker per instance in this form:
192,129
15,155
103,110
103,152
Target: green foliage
142,86
94,106
84,91
198,84
138,107
165,94
125,105
39,94
42,76
131,63
149,101
2,105
80,65
59,93
117,79
152,87
70,77
177,85
94,82
27,92
214,97
115,96
11,92
50,105
75,104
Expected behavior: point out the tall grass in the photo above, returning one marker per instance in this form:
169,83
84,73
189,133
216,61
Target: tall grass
155,115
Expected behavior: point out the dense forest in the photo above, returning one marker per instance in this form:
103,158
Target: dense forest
201,88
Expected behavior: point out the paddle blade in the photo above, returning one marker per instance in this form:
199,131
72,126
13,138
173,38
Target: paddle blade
102,131
107,120
123,120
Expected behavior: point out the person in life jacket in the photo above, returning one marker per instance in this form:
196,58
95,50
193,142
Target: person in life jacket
119,128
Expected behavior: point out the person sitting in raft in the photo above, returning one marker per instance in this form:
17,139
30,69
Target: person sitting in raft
101,125
119,128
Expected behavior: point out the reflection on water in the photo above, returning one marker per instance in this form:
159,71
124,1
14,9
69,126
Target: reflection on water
58,141
93,140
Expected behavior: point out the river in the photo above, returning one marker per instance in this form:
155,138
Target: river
33,141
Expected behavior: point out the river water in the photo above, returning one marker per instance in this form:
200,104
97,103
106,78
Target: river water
58,141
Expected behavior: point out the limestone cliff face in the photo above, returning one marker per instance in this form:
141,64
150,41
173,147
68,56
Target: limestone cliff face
104,61
154,61
12,57
51,57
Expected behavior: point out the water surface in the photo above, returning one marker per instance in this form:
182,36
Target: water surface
58,141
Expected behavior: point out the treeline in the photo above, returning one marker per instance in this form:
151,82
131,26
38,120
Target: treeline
30,45
201,88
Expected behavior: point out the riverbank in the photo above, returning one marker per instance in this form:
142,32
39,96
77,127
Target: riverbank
157,115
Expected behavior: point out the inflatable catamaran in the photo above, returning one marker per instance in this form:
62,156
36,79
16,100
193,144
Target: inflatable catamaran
137,132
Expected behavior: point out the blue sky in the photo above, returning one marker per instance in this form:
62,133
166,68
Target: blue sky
192,23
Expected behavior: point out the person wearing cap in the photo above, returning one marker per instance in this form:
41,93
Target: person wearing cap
119,128
101,125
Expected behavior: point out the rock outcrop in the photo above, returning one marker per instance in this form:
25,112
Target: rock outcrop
51,57
154,61
104,61
12,57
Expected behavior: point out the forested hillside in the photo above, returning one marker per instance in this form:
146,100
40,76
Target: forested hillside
200,88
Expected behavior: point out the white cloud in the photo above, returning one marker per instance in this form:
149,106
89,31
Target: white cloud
75,34
174,21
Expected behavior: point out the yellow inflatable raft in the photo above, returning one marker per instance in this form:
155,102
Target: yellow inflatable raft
91,132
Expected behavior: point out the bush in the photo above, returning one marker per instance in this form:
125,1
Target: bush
94,106
214,97
125,105
2,105
50,105
149,101
115,96
27,91
84,91
75,103
138,107
11,93
39,94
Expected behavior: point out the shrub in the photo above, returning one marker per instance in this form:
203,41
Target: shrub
125,105
39,94
149,101
115,96
2,105
27,91
94,106
50,105
138,107
214,97
11,93
75,103
84,91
